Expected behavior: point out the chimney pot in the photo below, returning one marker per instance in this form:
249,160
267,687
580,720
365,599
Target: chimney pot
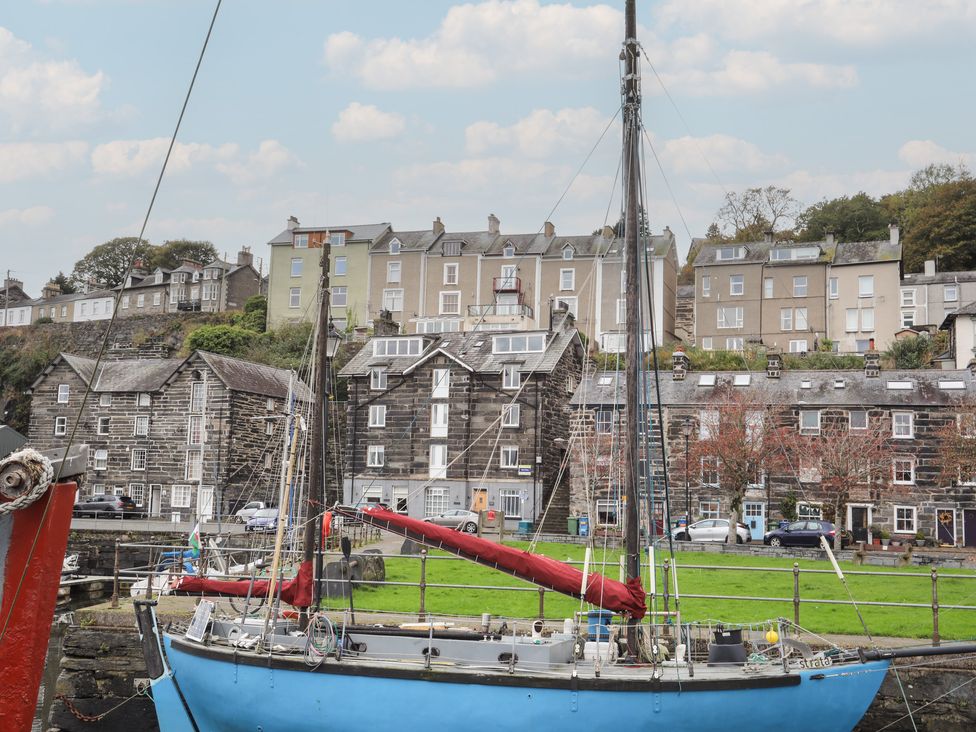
292,223
385,325
437,227
245,257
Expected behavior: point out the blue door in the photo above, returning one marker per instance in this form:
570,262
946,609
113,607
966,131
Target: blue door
754,516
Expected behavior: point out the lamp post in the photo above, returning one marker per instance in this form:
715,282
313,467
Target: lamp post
686,430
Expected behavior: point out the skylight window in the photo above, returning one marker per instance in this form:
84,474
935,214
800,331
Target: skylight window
839,383
806,384
952,384
706,380
902,385
742,379
604,381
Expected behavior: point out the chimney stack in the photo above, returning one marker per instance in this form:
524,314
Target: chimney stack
494,225
872,364
12,282
768,236
829,236
893,234
774,363
929,267
292,223
437,227
549,230
679,364
245,257
608,232
50,290
385,325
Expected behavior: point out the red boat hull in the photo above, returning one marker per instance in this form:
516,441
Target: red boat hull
32,546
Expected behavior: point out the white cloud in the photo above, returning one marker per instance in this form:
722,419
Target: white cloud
44,93
852,22
133,157
919,153
270,158
32,216
22,160
541,134
478,43
718,152
751,72
365,122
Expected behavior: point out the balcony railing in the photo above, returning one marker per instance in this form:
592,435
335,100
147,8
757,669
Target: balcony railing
482,311
507,284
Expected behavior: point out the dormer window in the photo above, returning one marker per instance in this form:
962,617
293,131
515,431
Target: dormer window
509,250
395,246
726,253
452,249
568,253
301,241
337,239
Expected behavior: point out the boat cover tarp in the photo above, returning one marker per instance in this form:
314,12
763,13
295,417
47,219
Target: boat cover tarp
600,591
297,591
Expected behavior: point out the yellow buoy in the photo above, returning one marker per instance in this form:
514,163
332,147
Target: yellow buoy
772,637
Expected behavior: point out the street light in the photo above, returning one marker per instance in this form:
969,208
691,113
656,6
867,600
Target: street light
686,430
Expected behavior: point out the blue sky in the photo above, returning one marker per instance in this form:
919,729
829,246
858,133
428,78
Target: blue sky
342,112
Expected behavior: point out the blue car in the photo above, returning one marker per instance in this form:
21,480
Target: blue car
265,519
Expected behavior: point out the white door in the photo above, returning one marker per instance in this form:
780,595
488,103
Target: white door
205,496
155,499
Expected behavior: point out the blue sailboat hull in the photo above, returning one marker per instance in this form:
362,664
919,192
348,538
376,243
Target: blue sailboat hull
224,694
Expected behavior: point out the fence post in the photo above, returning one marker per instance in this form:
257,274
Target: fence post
115,578
935,607
542,603
666,571
422,614
796,598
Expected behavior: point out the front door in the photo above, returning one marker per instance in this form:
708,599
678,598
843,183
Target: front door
755,518
205,496
479,501
969,527
859,523
155,500
945,526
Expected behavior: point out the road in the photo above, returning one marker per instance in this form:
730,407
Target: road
157,525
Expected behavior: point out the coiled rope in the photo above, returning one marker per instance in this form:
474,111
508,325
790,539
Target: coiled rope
27,467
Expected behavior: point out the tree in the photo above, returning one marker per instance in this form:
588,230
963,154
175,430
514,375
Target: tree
944,228
854,218
914,352
229,340
841,458
754,211
740,441
66,284
107,263
957,446
170,254
255,314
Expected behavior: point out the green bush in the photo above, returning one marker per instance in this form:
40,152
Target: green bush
913,352
229,340
43,321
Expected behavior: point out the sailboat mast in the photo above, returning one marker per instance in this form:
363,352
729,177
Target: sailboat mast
631,221
315,498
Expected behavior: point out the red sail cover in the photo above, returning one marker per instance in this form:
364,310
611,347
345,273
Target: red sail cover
606,593
297,592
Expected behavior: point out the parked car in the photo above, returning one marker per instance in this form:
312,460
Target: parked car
264,519
466,521
712,530
804,533
103,505
249,509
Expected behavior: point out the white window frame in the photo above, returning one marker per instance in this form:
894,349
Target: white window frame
377,379
850,320
377,415
438,461
865,286
100,461
510,502
903,425
198,396
907,318
338,296
908,298
610,508
786,318
394,272
64,392
907,529
393,299
801,285
894,470
567,280
144,399
440,384
451,274
137,492
297,264
300,241
451,248
341,266
768,284
708,423
867,320
511,376
436,500
508,457
800,319
954,288
439,419
194,465
104,425
850,419
706,285
808,429
511,415
375,456
445,307
180,496
799,346
833,288
706,343
737,285
135,463
709,509
734,343
736,320
60,426
194,429
294,297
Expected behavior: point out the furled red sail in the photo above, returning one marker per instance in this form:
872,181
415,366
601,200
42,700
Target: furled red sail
603,592
297,592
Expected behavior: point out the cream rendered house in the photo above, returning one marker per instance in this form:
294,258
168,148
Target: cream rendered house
295,270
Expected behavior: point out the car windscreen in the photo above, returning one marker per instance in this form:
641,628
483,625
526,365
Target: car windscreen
266,513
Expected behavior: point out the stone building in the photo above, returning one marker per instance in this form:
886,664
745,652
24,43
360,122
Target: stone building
463,421
928,297
913,407
189,437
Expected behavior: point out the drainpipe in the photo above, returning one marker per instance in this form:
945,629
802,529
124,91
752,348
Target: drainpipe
535,457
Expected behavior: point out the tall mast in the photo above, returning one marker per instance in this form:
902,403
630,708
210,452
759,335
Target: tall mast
631,165
315,498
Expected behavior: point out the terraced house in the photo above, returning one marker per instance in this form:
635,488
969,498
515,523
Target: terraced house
911,410
187,437
469,420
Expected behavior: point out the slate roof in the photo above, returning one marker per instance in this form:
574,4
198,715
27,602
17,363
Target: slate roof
409,241
756,253
471,349
686,292
62,299
358,232
939,278
968,310
128,375
858,390
10,440
855,252
251,378
861,252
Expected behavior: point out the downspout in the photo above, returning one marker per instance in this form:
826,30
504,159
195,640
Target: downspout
355,439
535,466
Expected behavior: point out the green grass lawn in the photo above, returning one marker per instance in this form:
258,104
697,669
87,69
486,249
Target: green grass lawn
895,586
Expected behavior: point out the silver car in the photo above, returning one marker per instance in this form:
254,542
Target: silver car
712,530
466,521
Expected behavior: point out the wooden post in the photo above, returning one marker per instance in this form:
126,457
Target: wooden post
935,608
542,603
796,597
422,614
115,579
666,572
